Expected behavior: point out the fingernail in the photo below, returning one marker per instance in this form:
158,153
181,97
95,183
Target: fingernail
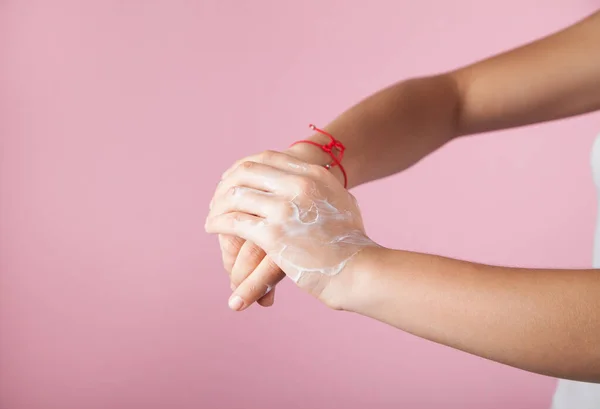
236,303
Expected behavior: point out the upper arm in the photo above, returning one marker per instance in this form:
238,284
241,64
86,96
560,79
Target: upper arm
555,77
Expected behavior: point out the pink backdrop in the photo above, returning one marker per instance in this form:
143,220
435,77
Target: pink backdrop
117,119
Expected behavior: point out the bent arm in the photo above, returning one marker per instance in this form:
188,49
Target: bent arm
554,77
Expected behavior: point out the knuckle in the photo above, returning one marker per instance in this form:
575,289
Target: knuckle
236,217
268,155
273,267
257,287
247,165
247,288
253,252
235,166
253,291
233,191
230,244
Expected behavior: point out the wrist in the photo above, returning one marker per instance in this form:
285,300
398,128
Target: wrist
312,154
356,287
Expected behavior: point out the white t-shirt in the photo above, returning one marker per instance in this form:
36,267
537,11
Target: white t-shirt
581,395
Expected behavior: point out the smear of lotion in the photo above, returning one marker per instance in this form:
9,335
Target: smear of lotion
319,238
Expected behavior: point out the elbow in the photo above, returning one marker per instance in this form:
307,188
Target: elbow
458,83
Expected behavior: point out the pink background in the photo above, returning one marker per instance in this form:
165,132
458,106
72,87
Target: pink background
117,119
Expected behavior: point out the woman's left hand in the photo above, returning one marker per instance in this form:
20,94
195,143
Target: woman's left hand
299,214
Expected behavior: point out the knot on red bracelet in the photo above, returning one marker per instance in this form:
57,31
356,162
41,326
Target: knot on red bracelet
333,145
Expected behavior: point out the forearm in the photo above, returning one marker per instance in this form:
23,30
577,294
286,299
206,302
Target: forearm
392,129
519,317
554,77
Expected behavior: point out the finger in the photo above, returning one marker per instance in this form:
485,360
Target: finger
252,260
248,259
256,176
243,225
284,162
256,285
276,159
268,299
230,247
247,200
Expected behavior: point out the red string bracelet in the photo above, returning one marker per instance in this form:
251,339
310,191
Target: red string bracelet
333,147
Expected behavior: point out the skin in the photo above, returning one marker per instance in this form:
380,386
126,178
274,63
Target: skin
519,317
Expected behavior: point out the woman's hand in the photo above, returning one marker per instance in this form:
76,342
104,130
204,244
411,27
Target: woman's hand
299,214
246,263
